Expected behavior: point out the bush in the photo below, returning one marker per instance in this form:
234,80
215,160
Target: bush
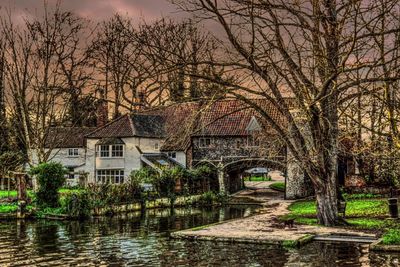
50,177
77,205
207,198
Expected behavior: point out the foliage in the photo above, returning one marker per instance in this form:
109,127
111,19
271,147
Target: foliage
392,237
8,208
50,177
77,205
280,186
208,198
102,195
41,213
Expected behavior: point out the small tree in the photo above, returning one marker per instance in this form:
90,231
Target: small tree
50,176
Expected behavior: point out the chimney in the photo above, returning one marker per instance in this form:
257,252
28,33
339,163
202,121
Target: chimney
102,109
140,101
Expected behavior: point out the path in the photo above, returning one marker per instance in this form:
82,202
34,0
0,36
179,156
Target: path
265,226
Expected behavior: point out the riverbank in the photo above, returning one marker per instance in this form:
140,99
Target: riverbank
268,227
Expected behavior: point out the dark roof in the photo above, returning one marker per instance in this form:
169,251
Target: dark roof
67,137
141,125
110,141
151,126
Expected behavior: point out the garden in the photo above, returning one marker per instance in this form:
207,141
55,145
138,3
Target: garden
145,188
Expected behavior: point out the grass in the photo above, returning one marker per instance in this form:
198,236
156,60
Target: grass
13,193
8,208
355,208
280,186
258,178
392,237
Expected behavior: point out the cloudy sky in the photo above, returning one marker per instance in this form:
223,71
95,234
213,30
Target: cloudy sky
98,9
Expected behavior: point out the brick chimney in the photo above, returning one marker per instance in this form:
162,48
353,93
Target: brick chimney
102,109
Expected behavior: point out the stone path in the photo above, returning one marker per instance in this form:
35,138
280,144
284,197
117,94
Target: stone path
265,226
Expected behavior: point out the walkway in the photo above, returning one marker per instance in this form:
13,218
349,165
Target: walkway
265,226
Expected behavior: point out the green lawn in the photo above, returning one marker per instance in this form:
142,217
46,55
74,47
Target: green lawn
258,179
355,208
13,193
8,208
280,186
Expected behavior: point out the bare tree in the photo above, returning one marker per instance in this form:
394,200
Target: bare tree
304,50
36,57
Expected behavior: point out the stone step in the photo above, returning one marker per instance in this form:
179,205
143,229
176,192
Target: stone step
346,238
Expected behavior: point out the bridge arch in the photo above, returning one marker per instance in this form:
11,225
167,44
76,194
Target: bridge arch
230,176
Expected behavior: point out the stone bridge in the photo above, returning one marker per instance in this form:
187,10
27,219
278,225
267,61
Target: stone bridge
229,172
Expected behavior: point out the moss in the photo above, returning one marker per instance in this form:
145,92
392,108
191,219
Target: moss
290,243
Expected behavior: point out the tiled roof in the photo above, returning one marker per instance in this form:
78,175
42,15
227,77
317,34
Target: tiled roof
120,127
178,122
221,118
67,137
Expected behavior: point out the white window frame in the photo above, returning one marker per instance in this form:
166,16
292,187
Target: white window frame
110,151
73,152
113,176
203,142
120,151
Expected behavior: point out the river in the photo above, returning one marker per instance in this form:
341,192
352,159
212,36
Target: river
135,240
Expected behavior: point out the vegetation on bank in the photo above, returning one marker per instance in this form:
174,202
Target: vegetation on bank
280,186
51,199
363,211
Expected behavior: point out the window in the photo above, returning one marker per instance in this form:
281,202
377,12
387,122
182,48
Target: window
110,151
172,155
156,146
110,176
73,152
70,174
204,142
117,151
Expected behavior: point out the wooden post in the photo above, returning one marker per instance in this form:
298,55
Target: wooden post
21,194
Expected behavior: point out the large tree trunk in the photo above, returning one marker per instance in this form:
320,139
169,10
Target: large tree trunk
327,209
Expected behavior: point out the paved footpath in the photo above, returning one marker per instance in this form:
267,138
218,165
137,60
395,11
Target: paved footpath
265,226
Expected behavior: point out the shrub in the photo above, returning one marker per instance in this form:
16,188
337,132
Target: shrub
208,198
50,177
77,205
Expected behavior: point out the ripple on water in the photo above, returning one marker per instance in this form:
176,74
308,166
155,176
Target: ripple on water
144,241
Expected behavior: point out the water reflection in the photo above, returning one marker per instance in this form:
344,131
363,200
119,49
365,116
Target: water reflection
135,240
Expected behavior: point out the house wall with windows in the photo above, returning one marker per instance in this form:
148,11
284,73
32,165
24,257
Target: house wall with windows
100,164
68,157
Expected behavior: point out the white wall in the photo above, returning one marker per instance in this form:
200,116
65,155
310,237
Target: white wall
181,158
61,155
131,160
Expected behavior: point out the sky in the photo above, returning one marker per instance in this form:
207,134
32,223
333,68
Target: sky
97,10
